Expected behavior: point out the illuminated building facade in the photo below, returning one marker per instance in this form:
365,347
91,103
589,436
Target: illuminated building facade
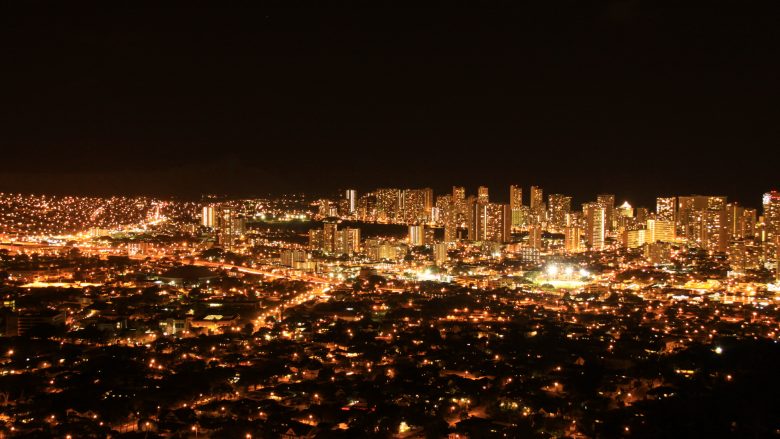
537,207
560,206
352,201
388,205
516,204
666,208
572,239
490,222
483,195
595,225
607,201
535,236
208,217
440,255
771,205
416,235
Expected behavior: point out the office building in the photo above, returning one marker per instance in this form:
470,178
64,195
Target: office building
440,255
560,206
416,235
595,225
352,201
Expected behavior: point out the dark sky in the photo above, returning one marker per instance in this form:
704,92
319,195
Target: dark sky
638,98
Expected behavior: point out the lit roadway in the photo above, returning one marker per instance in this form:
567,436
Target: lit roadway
319,292
242,269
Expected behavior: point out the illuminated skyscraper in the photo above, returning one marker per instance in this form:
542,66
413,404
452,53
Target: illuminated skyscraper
230,226
642,214
388,205
777,259
735,221
516,204
367,208
535,236
538,210
625,210
560,206
329,230
491,222
537,198
572,239
750,218
459,204
771,204
666,208
414,204
607,201
515,197
440,253
352,200
315,239
347,241
660,230
447,216
416,235
595,225
702,221
208,217
482,195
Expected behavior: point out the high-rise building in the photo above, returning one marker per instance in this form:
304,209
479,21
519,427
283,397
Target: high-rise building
777,259
367,208
537,198
448,216
634,238
771,205
440,253
347,241
701,220
607,201
660,230
735,221
289,258
352,200
315,239
642,214
332,240
482,195
666,208
329,229
560,206
744,255
572,239
324,207
625,210
415,205
750,218
460,207
208,217
595,225
516,204
515,197
388,205
491,222
535,236
416,234
230,226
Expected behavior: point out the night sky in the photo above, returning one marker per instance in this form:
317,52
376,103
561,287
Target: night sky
629,97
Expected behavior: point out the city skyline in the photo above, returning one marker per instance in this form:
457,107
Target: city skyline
291,219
